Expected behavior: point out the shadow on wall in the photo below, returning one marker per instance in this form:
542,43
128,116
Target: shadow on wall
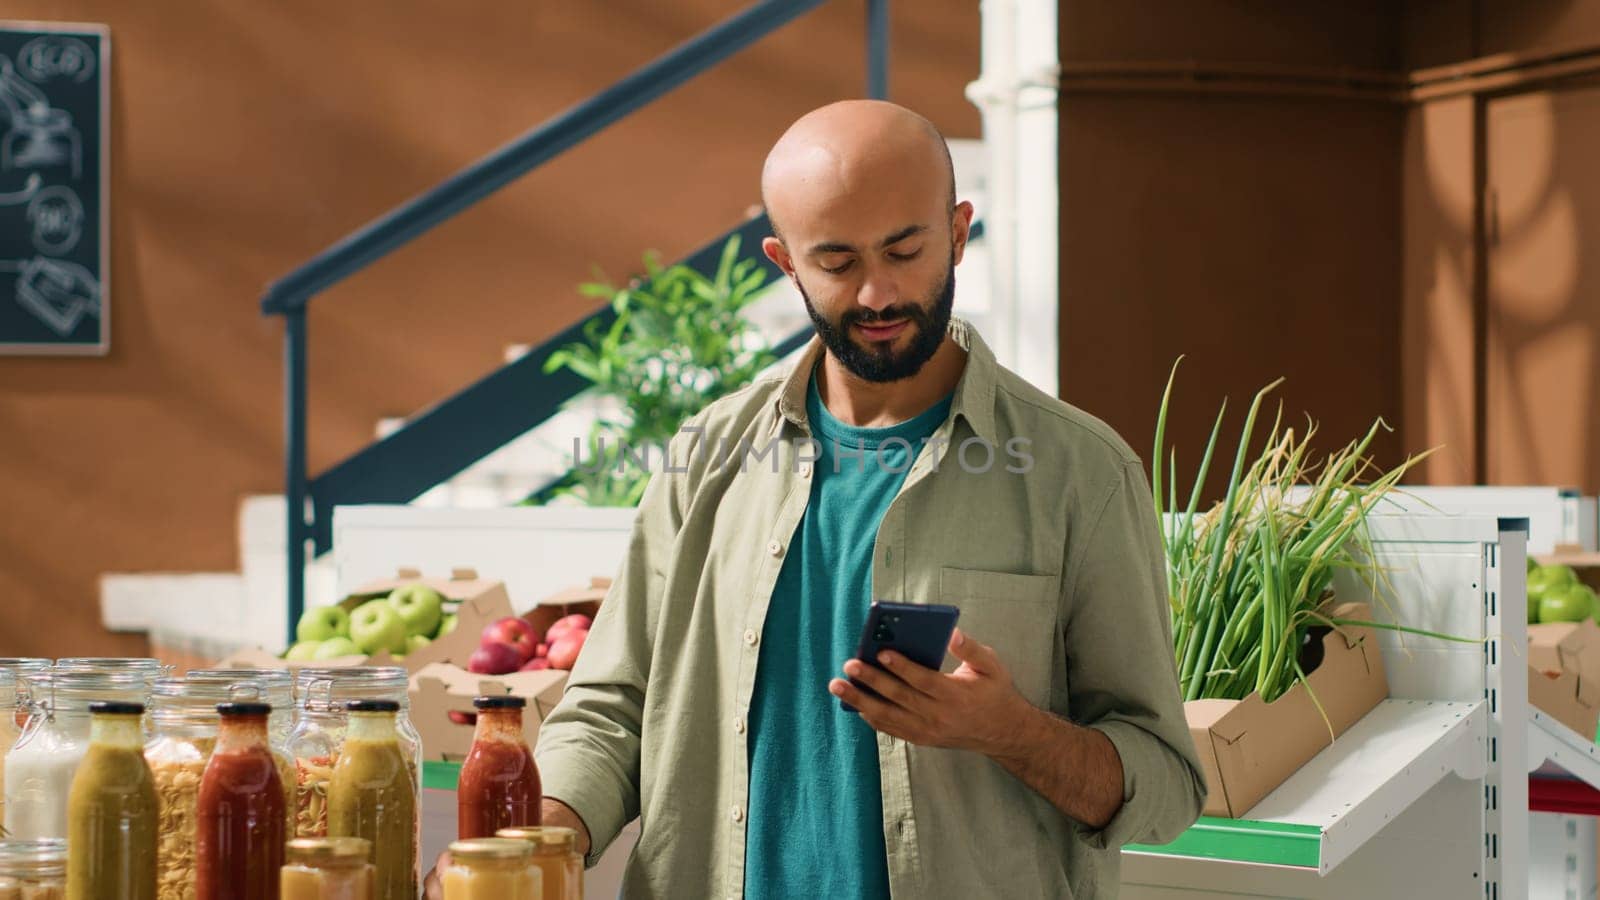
1543,222
1539,297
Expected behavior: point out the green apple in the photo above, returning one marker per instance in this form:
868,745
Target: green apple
1572,603
1542,579
419,607
1533,608
416,642
303,651
446,625
375,625
322,623
336,647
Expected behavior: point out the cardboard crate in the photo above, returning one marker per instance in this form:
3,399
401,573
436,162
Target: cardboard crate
1248,747
439,689
573,601
442,693
477,603
1564,673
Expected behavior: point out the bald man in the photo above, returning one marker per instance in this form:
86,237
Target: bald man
897,461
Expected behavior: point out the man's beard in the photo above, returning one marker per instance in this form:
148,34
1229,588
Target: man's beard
878,362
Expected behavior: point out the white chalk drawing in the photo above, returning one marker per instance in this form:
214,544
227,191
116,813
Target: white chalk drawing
56,56
23,196
58,293
56,215
39,136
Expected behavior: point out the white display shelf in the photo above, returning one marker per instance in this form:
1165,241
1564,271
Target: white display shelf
1554,749
1345,795
1366,778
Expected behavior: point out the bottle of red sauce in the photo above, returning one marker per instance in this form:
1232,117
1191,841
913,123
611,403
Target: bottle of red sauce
239,839
499,785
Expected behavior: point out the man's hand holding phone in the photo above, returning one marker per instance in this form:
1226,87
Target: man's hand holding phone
972,708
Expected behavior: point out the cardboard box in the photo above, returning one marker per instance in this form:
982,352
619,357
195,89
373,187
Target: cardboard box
476,602
1566,647
1568,698
1564,673
573,601
439,689
1248,747
442,689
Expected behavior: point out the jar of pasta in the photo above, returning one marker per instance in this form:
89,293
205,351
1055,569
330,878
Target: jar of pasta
321,718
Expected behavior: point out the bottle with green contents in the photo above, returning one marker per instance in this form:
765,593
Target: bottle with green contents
111,811
373,796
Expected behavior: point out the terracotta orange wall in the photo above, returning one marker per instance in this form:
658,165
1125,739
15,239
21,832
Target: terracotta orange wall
246,136
1256,233
1477,381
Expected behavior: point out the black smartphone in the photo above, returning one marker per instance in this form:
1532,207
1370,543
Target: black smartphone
919,632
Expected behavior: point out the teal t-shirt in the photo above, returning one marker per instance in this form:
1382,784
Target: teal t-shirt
815,825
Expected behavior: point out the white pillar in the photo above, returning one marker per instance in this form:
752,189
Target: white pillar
1016,92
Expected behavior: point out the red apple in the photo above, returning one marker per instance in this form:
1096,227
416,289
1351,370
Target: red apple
515,632
565,624
463,718
494,659
535,664
564,652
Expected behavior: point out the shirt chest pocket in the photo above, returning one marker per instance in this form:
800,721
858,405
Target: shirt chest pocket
1014,614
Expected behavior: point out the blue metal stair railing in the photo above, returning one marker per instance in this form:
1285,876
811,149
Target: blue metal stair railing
388,470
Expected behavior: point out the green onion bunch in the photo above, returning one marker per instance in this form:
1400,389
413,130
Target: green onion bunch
1250,577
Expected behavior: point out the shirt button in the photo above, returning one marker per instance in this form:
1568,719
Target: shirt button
738,724
738,814
775,548
805,470
750,637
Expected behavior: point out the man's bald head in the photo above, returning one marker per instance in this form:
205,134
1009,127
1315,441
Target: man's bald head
850,147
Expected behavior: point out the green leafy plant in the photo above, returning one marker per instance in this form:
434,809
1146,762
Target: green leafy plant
680,340
1249,577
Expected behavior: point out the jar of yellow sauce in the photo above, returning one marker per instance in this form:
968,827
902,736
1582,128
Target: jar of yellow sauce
327,869
555,855
491,869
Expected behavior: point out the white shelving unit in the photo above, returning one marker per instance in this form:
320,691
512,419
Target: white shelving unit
1557,751
1556,516
1427,796
1393,756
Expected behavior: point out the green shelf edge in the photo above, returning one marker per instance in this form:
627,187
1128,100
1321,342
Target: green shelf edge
440,776
1244,840
1238,840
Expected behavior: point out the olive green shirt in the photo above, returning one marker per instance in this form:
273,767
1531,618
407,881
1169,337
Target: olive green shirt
1052,553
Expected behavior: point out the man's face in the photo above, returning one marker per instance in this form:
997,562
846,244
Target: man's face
888,343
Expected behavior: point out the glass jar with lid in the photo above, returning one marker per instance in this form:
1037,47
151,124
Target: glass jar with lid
10,730
19,666
154,667
274,686
327,869
40,768
491,869
555,855
320,722
36,870
183,725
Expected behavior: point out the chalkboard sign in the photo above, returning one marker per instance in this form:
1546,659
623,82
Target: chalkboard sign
54,236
